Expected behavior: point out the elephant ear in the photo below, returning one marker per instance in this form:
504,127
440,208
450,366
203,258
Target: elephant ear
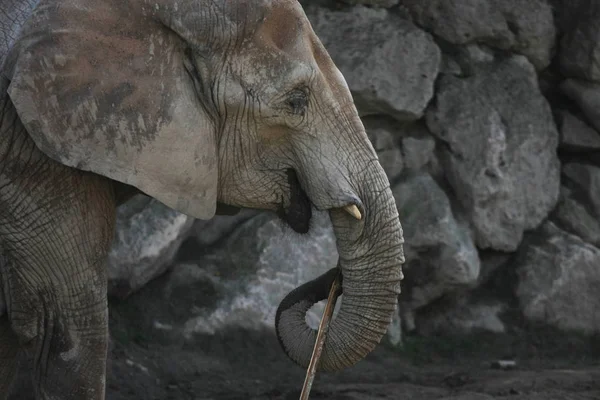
102,86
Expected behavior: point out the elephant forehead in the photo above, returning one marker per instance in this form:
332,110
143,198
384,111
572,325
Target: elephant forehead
280,53
285,25
273,72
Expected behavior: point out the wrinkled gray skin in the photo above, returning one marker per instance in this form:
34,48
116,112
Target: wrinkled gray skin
193,103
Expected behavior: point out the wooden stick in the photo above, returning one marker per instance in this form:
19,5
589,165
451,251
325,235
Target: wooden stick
320,342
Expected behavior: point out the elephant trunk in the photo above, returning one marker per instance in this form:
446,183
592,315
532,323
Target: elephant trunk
371,256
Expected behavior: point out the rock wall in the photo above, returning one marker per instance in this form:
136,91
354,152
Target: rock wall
486,118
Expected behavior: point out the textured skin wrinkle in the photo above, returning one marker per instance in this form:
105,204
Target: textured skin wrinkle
13,13
369,256
56,226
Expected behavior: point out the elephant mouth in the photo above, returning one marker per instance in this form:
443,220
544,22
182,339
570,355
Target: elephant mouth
299,212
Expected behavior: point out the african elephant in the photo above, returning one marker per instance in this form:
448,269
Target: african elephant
195,103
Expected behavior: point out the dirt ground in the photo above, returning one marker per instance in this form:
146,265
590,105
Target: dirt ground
241,365
154,364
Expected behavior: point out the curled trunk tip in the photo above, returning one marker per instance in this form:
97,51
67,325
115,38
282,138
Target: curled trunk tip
290,317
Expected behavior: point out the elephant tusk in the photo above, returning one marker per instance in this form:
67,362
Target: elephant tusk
353,210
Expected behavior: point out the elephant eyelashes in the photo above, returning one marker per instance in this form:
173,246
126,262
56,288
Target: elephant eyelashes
297,101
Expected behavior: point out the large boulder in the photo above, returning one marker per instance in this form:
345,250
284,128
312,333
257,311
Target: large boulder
390,64
474,309
146,241
256,266
440,254
499,150
248,274
559,279
523,26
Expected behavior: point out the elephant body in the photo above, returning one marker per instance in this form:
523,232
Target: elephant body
204,105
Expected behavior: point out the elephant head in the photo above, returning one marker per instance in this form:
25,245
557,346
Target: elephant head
230,101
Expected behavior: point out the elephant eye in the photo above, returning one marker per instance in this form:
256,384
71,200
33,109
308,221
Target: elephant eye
297,101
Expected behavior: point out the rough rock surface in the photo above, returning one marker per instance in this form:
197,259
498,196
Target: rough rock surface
373,3
587,96
258,264
401,146
578,210
146,241
418,149
523,26
464,317
254,269
390,65
440,255
559,279
579,51
575,134
499,149
209,232
385,142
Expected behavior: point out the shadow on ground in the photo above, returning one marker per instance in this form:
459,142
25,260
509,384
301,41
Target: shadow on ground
157,364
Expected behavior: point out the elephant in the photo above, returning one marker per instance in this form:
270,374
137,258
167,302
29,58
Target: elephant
206,106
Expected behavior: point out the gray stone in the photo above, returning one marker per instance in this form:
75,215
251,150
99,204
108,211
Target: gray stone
384,141
523,26
189,290
579,54
147,238
576,135
390,65
578,209
464,60
587,96
401,145
208,232
418,150
586,178
373,3
258,265
440,254
464,318
559,279
500,149
492,261
394,332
